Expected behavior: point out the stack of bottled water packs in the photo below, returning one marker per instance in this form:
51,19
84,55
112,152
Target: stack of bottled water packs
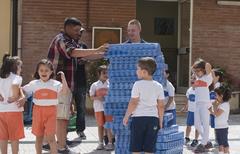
123,60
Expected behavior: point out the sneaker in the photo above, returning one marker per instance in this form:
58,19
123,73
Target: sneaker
209,145
200,149
105,139
82,135
194,143
187,140
46,147
66,150
72,143
100,146
109,147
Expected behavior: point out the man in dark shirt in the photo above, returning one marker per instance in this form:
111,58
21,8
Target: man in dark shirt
80,90
63,52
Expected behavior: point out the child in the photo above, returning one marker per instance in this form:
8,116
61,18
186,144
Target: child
217,82
45,92
11,116
201,116
146,108
221,113
97,92
190,106
169,91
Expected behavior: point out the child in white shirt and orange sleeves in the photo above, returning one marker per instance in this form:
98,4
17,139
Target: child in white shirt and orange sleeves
45,92
98,91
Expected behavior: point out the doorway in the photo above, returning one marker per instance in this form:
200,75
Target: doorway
167,22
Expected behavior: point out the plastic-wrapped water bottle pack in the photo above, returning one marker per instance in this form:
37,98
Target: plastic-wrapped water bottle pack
123,60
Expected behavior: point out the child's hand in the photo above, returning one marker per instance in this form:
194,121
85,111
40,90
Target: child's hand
21,102
125,121
160,125
1,98
62,75
11,99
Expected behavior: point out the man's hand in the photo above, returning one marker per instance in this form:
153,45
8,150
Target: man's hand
103,48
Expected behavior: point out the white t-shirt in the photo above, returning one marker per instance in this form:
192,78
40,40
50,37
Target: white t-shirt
191,99
148,92
99,89
6,92
44,93
222,120
169,91
201,88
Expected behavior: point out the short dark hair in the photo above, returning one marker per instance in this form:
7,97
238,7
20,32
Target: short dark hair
46,62
219,73
200,64
225,91
72,21
148,63
101,69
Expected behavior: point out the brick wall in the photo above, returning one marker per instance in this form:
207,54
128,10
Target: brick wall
216,34
42,20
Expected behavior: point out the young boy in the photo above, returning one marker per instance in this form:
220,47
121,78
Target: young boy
190,107
169,92
97,92
146,108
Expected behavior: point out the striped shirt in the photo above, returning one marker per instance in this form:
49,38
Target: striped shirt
59,54
44,93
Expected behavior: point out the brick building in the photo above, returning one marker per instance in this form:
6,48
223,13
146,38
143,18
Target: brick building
186,29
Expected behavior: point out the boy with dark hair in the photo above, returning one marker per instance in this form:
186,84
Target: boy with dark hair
146,108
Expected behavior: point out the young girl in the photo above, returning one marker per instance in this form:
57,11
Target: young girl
190,107
217,82
11,117
45,92
221,113
202,115
97,92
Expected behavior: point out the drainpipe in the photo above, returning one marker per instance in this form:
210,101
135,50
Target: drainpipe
14,27
190,41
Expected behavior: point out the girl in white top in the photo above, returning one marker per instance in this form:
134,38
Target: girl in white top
204,79
11,117
169,102
221,113
45,92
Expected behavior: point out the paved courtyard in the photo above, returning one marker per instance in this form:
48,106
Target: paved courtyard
88,146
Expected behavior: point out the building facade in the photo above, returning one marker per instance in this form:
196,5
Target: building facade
186,30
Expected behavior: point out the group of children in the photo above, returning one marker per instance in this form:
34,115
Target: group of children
149,100
208,104
45,91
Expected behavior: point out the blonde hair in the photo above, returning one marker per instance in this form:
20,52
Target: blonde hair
135,22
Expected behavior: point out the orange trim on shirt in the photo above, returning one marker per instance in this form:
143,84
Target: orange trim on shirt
101,92
45,94
200,83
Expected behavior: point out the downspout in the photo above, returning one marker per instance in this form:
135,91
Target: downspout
14,27
190,41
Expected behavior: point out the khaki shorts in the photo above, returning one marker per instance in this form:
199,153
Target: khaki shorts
63,106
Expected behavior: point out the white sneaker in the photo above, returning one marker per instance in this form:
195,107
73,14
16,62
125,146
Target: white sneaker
100,146
109,147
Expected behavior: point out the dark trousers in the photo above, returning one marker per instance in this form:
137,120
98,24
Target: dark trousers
80,102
